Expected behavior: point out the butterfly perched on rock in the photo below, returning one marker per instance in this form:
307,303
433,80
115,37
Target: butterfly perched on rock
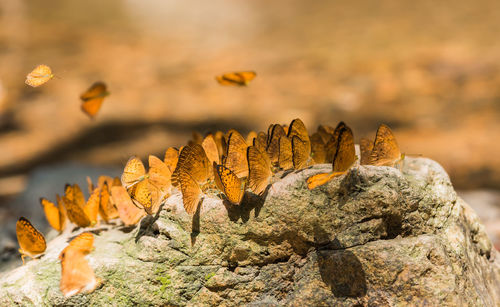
55,215
259,170
385,151
229,184
129,213
38,76
236,155
93,97
31,241
76,274
241,78
345,157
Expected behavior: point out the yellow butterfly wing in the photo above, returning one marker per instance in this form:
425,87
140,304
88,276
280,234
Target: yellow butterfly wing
171,158
39,75
84,242
259,170
31,241
301,152
133,172
107,209
159,174
74,202
194,159
91,208
211,149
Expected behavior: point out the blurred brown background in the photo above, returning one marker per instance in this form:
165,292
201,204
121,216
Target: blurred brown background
430,70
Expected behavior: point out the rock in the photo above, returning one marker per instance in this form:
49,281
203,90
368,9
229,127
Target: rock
374,237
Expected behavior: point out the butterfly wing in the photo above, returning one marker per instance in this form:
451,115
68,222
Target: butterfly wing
318,150
107,209
236,78
76,274
159,175
133,172
365,146
346,153
84,242
236,159
385,148
191,192
171,158
39,75
128,212
74,202
273,146
52,214
285,157
260,172
297,128
91,208
210,148
194,159
301,152
229,183
31,241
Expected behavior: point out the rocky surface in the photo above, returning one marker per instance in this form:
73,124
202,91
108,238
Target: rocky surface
374,237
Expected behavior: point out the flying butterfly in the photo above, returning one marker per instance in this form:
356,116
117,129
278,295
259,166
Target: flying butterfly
76,274
128,212
236,156
345,157
56,215
259,170
31,241
385,150
93,97
236,78
229,184
39,75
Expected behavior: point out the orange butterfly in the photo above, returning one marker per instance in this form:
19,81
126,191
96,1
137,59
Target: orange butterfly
211,150
301,152
133,172
318,150
261,142
273,143
345,157
93,97
76,274
56,216
236,78
129,213
285,156
229,184
194,160
259,170
74,202
385,150
31,241
365,148
236,156
39,75
171,158
191,192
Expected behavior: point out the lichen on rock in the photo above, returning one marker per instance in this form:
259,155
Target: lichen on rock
373,237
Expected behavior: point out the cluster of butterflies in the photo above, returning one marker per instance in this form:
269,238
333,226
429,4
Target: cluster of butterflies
93,97
224,161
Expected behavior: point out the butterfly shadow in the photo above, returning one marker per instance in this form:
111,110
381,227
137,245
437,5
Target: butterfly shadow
340,269
147,225
195,224
242,211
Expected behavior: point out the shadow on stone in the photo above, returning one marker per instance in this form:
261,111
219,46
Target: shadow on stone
195,224
250,201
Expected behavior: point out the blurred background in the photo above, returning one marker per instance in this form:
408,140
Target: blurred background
430,70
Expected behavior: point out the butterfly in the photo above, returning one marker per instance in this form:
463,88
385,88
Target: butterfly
318,150
159,175
273,144
128,212
345,157
236,156
146,195
365,147
301,151
93,97
250,137
31,241
211,149
197,138
259,170
133,172
229,184
285,156
74,202
385,150
39,75
221,143
325,132
84,242
331,144
76,274
261,141
56,215
297,128
171,158
191,192
236,78
107,208
194,160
